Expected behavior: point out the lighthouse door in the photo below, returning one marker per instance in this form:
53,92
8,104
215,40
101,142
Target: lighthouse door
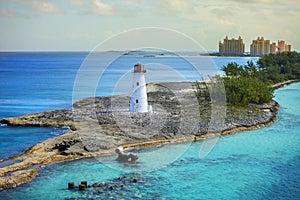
136,105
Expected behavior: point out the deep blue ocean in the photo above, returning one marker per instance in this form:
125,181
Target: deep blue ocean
259,164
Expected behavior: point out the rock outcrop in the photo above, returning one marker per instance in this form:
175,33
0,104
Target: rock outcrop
126,157
53,118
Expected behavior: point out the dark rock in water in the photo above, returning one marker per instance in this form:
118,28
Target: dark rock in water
111,187
71,185
82,187
135,180
84,183
95,185
102,184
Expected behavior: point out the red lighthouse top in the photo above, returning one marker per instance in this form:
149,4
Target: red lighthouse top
139,68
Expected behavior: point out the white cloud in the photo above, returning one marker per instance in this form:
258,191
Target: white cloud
222,12
77,2
43,6
8,12
225,22
176,6
100,8
255,1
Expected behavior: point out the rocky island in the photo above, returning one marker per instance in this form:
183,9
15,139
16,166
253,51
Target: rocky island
99,125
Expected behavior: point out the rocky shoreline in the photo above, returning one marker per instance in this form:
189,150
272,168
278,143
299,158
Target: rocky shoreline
285,83
95,130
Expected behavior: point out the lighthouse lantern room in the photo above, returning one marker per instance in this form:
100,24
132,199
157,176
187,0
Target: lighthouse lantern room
138,97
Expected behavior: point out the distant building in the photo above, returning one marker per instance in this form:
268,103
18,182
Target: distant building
232,47
260,47
273,48
282,47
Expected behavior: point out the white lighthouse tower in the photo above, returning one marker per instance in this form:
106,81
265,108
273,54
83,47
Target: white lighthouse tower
138,97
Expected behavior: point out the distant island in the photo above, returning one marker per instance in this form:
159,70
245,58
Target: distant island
96,129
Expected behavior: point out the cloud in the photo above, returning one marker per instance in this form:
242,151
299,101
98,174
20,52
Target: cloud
43,6
225,22
131,8
8,12
77,2
296,2
255,1
221,12
100,8
176,6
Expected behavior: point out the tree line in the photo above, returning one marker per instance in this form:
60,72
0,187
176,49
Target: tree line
252,83
272,68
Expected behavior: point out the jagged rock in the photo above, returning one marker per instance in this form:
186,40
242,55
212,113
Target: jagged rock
135,180
111,187
64,145
16,178
82,187
71,185
102,184
84,183
95,185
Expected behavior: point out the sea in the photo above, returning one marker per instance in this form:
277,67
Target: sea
258,164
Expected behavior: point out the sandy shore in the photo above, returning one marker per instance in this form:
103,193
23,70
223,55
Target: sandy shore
86,141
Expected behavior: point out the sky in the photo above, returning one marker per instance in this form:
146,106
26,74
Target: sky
80,25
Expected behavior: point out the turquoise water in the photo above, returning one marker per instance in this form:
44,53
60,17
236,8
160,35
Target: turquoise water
258,164
38,81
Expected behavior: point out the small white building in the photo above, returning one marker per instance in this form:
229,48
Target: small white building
138,98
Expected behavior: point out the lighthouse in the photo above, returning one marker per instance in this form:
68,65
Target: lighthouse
138,98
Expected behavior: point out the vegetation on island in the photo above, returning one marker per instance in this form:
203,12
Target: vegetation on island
279,67
244,90
252,83
271,68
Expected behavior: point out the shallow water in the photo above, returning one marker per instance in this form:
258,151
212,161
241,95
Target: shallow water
258,164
